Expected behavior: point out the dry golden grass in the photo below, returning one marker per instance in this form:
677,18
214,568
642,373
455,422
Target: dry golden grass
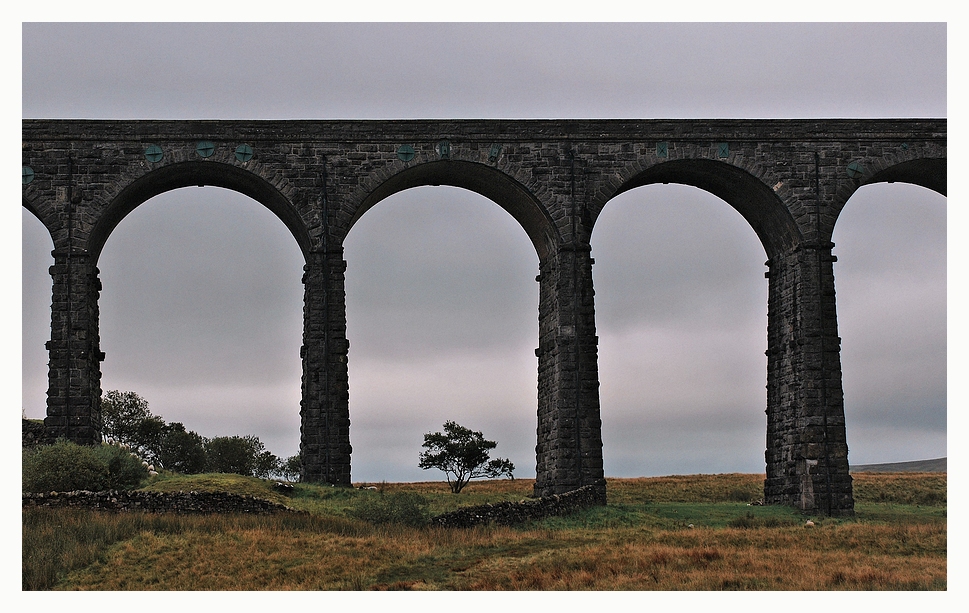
855,556
900,488
640,541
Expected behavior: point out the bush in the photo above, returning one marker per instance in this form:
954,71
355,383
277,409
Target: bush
66,466
405,508
125,472
63,467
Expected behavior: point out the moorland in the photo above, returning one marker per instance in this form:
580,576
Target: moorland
691,532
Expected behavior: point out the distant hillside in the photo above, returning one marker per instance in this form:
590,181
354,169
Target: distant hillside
921,466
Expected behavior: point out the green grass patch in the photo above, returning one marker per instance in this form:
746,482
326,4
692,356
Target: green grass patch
893,513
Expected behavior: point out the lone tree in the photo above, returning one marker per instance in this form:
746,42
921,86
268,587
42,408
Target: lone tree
463,455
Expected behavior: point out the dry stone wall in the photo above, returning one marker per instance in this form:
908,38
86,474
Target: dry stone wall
512,513
155,502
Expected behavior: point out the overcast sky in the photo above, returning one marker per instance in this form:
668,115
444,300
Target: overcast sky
202,302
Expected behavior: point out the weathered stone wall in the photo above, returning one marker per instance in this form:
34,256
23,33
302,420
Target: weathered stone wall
789,179
156,502
511,513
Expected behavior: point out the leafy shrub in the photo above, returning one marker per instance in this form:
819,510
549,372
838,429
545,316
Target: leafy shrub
266,465
406,508
125,472
63,467
127,419
66,466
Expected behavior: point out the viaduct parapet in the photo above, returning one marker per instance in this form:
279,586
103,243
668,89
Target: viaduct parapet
788,178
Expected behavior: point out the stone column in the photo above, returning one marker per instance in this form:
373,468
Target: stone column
324,409
74,389
569,449
807,453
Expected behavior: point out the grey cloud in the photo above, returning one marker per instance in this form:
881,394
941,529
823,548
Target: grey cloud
489,70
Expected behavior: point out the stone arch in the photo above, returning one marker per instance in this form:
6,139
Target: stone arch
930,173
523,204
802,343
189,173
29,205
497,186
745,192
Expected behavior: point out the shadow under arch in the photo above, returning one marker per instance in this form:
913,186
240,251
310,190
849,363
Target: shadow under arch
485,180
755,201
187,174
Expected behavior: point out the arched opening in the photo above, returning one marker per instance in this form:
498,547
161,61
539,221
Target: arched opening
35,303
442,322
201,314
681,315
494,185
890,277
185,174
747,194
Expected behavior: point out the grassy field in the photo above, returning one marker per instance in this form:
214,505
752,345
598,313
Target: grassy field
694,532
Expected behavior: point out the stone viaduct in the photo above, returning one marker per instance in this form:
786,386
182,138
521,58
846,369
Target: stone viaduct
788,178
